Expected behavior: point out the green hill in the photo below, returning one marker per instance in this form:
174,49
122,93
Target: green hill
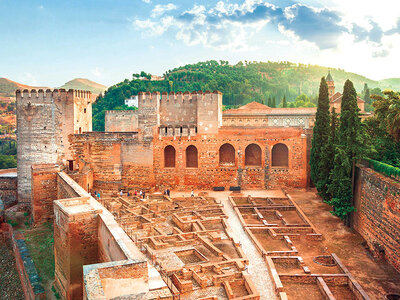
8,87
390,83
240,83
84,84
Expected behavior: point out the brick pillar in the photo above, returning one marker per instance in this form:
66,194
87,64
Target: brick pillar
44,191
75,244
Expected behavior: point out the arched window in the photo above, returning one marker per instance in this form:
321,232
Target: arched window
252,155
191,157
280,155
227,155
169,157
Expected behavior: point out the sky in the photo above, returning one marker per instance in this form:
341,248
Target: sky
46,43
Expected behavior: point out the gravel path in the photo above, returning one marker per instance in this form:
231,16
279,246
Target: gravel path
257,267
10,285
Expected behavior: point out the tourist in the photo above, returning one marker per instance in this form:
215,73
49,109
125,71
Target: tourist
144,194
135,192
128,194
192,194
168,192
121,193
98,195
140,193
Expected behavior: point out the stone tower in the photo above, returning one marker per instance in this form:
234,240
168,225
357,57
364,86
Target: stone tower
209,112
331,84
148,113
45,119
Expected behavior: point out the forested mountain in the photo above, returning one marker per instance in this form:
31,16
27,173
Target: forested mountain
240,83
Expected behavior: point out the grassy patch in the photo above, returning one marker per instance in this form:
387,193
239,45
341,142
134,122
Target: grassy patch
40,242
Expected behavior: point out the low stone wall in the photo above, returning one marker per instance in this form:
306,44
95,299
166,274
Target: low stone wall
8,187
27,272
377,216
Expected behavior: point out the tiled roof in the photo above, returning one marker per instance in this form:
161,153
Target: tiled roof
337,97
258,108
250,108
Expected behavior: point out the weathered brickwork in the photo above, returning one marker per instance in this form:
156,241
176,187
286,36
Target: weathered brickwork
44,192
121,120
75,244
121,160
377,219
44,121
8,187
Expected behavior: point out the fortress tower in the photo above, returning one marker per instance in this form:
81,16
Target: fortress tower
45,119
331,84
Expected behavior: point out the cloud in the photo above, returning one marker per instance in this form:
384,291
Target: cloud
232,25
160,9
146,1
374,34
154,28
380,53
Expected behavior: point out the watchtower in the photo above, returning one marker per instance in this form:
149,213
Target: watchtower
45,119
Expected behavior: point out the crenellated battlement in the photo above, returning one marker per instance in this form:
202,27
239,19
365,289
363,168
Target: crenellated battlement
175,97
52,93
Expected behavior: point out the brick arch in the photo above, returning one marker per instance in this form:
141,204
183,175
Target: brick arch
252,155
191,157
169,157
227,155
280,155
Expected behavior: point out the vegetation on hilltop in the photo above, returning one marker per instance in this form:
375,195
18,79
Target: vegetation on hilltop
240,84
8,154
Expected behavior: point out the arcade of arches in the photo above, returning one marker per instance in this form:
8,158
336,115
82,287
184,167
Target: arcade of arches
253,156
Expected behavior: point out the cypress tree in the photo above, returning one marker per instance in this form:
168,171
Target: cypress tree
351,145
269,102
320,134
326,162
273,102
367,97
284,102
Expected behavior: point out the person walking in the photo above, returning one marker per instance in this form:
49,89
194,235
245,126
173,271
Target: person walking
192,194
168,192
121,193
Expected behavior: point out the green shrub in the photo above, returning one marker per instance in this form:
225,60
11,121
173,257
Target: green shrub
383,168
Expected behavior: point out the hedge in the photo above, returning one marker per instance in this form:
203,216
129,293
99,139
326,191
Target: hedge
383,168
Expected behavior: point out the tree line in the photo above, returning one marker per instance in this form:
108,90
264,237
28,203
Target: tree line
339,142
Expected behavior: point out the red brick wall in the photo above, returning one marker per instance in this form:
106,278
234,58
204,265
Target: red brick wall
44,191
75,245
124,160
377,219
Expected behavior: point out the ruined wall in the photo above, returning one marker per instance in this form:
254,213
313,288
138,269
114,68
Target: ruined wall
377,216
44,192
115,159
8,187
44,121
121,120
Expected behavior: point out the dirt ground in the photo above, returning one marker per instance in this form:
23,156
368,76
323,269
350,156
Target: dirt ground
377,277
